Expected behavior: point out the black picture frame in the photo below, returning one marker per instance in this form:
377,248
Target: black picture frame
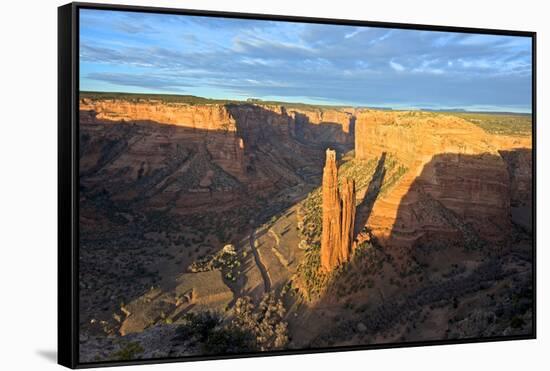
68,180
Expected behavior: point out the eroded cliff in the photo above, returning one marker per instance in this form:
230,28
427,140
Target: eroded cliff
229,129
457,184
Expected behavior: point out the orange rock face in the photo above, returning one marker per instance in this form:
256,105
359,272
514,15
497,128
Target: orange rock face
207,117
212,122
338,216
348,219
194,157
232,127
459,180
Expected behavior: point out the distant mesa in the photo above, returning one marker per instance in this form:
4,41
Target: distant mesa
337,240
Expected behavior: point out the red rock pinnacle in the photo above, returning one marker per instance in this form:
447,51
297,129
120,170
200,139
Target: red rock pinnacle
338,216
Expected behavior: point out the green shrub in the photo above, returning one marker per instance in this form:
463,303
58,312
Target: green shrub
128,352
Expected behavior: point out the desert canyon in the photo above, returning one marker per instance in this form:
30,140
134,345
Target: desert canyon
211,227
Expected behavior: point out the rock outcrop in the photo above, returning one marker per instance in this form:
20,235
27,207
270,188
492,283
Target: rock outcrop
192,291
248,121
228,131
347,194
456,198
328,125
457,181
338,216
519,163
205,116
197,157
213,124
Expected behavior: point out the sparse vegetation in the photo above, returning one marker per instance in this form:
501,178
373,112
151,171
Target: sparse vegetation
193,99
166,98
381,294
362,172
500,123
312,220
208,332
265,321
226,260
130,351
253,327
311,280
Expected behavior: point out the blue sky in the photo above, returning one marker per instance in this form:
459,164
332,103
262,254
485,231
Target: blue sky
299,62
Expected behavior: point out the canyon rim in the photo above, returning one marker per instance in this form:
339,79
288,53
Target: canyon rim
274,202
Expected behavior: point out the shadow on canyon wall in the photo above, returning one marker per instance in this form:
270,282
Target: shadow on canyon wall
140,177
463,199
325,132
143,162
256,124
364,209
520,169
145,166
458,200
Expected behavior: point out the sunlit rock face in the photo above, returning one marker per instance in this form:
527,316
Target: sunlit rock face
338,216
459,180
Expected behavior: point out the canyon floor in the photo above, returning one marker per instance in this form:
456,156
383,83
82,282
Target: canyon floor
200,225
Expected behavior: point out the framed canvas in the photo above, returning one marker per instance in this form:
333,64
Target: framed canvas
235,185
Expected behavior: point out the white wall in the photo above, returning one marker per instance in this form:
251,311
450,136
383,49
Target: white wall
28,182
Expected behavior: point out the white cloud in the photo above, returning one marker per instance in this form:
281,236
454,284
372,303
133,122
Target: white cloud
225,57
396,66
433,71
256,61
429,66
476,63
354,33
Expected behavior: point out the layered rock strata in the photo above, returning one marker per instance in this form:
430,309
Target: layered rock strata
193,157
457,182
337,126
213,124
250,120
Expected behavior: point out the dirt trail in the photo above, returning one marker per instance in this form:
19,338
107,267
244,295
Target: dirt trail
259,263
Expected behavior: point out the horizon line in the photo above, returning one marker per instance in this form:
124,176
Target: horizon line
389,107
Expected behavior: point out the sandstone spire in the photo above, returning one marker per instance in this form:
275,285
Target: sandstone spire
348,219
338,216
332,210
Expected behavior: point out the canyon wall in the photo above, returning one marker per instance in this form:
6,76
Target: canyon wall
338,207
250,120
205,116
520,171
414,137
239,137
194,157
213,123
314,125
257,124
457,183
338,125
